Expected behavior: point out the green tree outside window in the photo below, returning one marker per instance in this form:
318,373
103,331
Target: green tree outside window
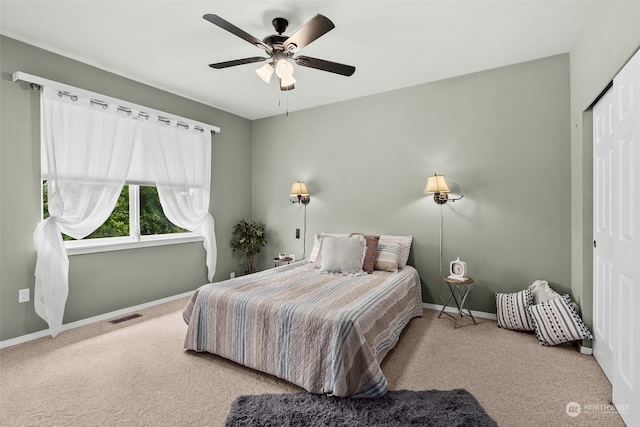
152,218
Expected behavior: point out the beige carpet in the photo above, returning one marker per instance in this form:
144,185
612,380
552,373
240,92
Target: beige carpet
138,374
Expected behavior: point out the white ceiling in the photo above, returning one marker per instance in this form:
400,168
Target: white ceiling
392,44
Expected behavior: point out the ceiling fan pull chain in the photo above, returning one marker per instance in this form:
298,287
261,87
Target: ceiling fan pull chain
286,93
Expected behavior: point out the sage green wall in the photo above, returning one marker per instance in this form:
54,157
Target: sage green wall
502,135
104,282
609,37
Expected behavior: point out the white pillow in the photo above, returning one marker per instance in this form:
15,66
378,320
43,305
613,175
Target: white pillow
343,255
316,248
405,247
316,244
541,291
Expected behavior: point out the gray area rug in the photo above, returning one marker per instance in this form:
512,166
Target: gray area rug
396,408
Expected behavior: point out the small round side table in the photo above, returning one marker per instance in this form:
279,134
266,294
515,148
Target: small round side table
279,261
462,288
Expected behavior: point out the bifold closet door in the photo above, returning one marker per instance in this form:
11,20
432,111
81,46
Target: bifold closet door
603,257
617,240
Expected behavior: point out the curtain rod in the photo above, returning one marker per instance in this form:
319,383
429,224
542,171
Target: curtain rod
71,91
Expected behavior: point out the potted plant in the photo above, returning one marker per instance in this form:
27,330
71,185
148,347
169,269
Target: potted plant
282,255
248,238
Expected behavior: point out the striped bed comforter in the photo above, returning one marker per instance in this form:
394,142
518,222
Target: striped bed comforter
323,332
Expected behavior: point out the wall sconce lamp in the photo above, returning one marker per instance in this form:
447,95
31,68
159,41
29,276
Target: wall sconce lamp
299,193
438,186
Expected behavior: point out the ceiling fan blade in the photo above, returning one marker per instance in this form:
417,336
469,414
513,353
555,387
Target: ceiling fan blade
313,29
321,64
227,64
216,20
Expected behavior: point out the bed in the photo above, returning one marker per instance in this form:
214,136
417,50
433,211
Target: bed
327,333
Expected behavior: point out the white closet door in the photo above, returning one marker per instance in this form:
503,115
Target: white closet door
603,262
626,361
616,228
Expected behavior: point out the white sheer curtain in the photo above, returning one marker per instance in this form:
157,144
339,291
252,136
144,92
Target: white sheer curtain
180,162
88,151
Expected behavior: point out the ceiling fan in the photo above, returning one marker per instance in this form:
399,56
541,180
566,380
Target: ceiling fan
281,48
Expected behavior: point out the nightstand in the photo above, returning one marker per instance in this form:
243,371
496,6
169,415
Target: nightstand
279,261
461,287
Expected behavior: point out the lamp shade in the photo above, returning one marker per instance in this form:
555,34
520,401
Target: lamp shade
436,184
284,68
287,81
265,72
299,189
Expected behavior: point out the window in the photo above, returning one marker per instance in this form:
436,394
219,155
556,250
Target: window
88,145
136,220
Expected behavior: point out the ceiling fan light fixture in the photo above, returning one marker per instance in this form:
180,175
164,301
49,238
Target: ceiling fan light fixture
287,81
265,72
284,68
287,84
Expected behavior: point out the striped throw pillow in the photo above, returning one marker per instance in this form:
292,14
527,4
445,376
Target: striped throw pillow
387,256
405,247
512,310
557,322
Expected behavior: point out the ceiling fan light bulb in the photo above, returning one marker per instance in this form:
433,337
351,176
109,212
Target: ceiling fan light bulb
284,68
265,72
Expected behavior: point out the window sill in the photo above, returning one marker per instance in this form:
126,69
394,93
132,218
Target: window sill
90,246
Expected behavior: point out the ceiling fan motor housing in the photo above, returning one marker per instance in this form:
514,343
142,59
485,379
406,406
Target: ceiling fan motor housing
276,41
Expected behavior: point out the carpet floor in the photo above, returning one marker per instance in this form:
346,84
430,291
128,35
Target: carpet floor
137,373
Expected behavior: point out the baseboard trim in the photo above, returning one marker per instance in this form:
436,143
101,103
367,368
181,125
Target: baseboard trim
125,311
94,319
586,350
480,314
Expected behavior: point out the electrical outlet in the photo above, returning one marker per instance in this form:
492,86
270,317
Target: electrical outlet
23,295
232,275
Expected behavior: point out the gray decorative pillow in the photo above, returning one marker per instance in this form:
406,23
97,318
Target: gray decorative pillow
512,310
370,256
343,255
557,322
